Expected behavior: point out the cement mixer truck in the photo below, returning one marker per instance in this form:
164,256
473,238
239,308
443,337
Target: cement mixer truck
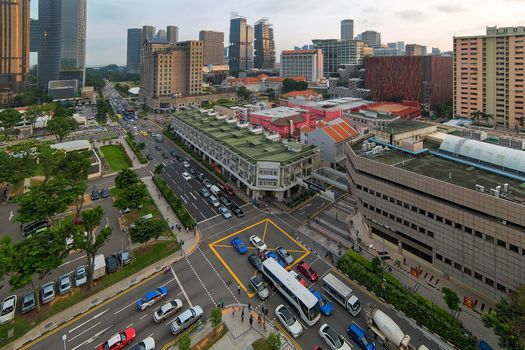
388,332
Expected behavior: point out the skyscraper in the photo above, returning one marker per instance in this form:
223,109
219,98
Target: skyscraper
415,50
14,45
172,34
264,45
372,38
59,37
489,76
336,53
212,47
147,32
133,56
305,63
73,27
347,29
241,44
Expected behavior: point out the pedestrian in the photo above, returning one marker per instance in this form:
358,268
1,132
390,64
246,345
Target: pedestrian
404,261
264,325
259,319
233,312
249,307
239,289
242,315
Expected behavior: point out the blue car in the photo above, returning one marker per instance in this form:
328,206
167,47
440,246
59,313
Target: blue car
326,307
238,245
270,254
151,298
359,336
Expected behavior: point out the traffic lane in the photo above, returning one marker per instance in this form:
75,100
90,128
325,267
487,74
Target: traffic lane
100,323
10,227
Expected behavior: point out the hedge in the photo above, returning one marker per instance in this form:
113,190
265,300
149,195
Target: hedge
133,145
182,145
422,310
175,203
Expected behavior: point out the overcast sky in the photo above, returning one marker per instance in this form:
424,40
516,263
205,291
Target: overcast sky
296,22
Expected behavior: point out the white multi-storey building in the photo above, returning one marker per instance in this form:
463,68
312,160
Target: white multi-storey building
306,63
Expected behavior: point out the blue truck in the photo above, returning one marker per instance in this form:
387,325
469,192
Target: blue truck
358,335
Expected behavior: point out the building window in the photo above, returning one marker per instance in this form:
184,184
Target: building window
501,288
467,271
406,205
448,222
422,212
502,243
458,226
430,215
430,233
513,248
414,208
448,261
468,230
422,229
489,282
489,238
398,219
478,234
439,256
406,223
439,218
398,202
478,276
457,266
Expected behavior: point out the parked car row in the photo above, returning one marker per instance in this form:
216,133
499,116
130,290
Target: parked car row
95,194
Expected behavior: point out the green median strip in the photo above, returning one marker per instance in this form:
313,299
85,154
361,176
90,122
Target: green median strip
175,203
144,256
133,145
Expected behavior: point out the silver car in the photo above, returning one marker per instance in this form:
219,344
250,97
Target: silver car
285,255
166,310
288,320
47,293
257,284
225,212
64,284
186,319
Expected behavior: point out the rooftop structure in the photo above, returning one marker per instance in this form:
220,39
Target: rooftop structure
260,165
406,110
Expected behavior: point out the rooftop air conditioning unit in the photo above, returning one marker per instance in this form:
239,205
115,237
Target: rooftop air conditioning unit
505,188
480,188
494,192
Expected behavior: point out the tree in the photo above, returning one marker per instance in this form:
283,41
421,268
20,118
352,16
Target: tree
520,122
141,146
126,178
270,93
159,168
74,169
475,116
50,160
15,169
243,93
184,341
376,266
452,301
32,114
507,320
7,253
216,317
274,341
486,117
61,126
143,231
90,242
38,255
9,118
44,201
294,85
132,197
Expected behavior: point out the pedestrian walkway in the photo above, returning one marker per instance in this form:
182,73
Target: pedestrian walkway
411,271
245,327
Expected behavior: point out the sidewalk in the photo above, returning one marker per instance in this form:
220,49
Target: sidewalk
429,282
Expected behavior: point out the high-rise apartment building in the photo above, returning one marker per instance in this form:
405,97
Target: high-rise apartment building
372,38
264,45
347,29
240,52
59,37
169,70
172,34
426,79
415,50
337,53
305,63
14,46
133,50
212,47
489,74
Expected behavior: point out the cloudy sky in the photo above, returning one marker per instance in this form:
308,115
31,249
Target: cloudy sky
296,22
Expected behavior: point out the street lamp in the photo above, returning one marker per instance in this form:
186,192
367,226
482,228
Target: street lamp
64,337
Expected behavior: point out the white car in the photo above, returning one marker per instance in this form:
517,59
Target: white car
225,212
80,276
146,344
258,243
7,312
166,310
186,176
186,164
288,320
333,339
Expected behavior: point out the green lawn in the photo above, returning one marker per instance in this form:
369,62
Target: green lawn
116,157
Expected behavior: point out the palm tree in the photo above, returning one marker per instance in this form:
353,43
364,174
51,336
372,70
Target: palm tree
520,123
475,116
486,117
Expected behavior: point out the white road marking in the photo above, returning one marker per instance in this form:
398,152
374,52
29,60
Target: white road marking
143,316
79,334
204,216
182,288
125,307
128,326
70,261
11,215
193,196
91,319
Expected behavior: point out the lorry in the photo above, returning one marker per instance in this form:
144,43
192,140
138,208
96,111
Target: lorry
341,293
99,266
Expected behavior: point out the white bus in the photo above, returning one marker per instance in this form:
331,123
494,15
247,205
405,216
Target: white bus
304,302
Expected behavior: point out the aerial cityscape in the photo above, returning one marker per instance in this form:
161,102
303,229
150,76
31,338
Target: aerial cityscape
263,175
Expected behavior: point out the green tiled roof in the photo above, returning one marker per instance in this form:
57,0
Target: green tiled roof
252,147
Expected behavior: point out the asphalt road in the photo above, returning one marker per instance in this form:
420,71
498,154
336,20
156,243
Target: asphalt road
206,281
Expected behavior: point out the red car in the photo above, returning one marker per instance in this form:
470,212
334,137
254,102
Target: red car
119,340
228,189
307,271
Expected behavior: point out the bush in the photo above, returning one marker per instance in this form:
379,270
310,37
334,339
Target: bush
182,145
175,203
412,304
216,317
274,341
184,341
133,145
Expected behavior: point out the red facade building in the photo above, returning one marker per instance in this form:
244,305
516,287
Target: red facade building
426,79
